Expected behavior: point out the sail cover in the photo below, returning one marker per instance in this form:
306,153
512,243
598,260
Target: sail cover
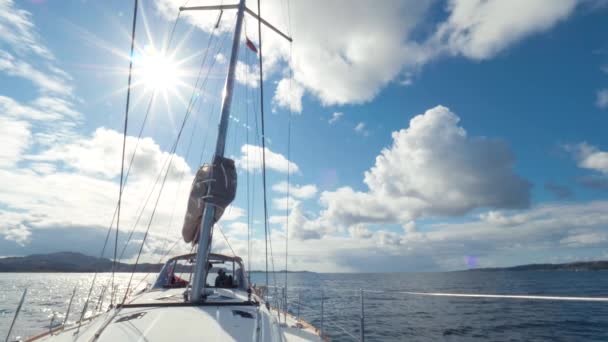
211,186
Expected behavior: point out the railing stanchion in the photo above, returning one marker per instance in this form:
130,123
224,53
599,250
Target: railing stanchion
299,294
52,321
285,306
67,314
10,330
362,327
99,305
84,311
322,302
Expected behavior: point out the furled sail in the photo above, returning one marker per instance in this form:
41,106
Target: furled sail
211,186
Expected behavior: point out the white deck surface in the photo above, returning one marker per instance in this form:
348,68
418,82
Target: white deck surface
188,323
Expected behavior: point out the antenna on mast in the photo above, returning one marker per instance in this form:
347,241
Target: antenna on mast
209,211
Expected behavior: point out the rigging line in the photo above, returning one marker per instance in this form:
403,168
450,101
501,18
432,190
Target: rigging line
247,96
124,140
288,154
287,200
263,140
225,238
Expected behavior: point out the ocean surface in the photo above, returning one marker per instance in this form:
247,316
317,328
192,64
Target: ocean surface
389,316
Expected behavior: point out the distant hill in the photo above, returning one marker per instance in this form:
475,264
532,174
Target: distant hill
572,266
68,262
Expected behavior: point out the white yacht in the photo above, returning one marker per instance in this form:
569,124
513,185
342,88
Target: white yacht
232,311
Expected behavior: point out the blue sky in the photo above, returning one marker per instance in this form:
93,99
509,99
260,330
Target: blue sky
424,134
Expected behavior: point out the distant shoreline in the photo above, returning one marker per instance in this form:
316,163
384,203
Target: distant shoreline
71,262
571,266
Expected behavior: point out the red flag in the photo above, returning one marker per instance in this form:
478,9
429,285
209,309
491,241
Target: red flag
251,46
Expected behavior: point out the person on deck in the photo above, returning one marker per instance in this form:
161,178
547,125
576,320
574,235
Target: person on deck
221,279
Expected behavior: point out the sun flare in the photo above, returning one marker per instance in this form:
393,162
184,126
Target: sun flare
157,71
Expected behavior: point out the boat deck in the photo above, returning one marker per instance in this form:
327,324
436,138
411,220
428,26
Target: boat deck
162,315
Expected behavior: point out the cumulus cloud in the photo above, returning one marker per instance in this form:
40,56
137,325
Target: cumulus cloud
251,160
433,168
288,95
302,227
246,74
589,157
499,238
382,43
101,155
480,29
284,203
300,191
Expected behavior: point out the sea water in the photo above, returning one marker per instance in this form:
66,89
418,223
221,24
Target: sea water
389,316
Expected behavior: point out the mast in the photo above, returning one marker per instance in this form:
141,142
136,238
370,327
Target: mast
206,230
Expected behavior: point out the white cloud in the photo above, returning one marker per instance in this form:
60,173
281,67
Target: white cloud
43,168
382,42
41,109
246,74
517,238
18,30
300,191
251,160
220,58
100,155
282,203
14,138
337,68
602,98
480,29
335,117
302,227
289,95
589,157
233,213
585,239
433,168
19,233
360,129
46,82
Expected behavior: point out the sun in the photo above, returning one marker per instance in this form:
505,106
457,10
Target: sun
156,71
